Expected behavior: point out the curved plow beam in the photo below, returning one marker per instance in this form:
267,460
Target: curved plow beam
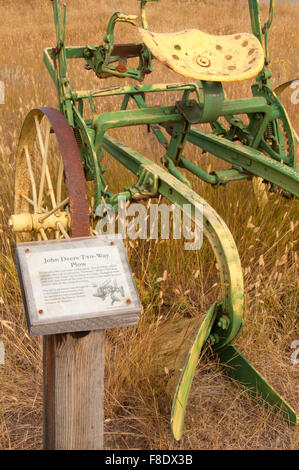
214,229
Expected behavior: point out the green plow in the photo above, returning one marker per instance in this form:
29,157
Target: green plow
262,145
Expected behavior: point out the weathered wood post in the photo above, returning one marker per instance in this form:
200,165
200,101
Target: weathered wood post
74,391
74,290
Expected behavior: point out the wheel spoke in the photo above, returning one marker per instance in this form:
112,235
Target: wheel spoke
63,203
44,167
43,234
31,201
59,181
42,150
64,233
31,176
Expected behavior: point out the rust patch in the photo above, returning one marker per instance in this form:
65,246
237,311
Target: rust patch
73,170
121,68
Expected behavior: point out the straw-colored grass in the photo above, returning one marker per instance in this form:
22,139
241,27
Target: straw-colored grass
220,415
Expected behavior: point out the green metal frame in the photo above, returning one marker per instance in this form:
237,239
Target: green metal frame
264,147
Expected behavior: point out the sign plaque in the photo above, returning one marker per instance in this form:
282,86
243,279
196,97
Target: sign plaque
80,284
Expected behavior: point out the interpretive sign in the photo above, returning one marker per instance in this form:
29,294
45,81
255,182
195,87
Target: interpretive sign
79,284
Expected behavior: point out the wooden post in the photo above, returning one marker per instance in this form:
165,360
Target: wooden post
74,391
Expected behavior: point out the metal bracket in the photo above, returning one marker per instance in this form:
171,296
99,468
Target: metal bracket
191,110
146,186
209,110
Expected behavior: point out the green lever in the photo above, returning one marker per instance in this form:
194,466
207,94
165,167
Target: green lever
117,17
143,16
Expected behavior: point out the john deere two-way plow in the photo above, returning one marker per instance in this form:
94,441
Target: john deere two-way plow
59,150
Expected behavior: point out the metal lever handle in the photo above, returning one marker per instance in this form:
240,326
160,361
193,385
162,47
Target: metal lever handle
271,14
117,17
143,15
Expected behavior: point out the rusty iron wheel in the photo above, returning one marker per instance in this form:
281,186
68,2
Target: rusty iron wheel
50,189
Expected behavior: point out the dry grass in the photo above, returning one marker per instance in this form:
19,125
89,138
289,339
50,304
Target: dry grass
220,415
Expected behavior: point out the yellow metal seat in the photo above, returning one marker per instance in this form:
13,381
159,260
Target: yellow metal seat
202,56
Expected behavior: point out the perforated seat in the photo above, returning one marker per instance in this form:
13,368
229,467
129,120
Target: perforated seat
202,56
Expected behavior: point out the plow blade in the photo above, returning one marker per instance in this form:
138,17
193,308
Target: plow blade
183,389
278,90
239,368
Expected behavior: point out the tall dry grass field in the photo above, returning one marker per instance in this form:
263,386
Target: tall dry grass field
174,285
